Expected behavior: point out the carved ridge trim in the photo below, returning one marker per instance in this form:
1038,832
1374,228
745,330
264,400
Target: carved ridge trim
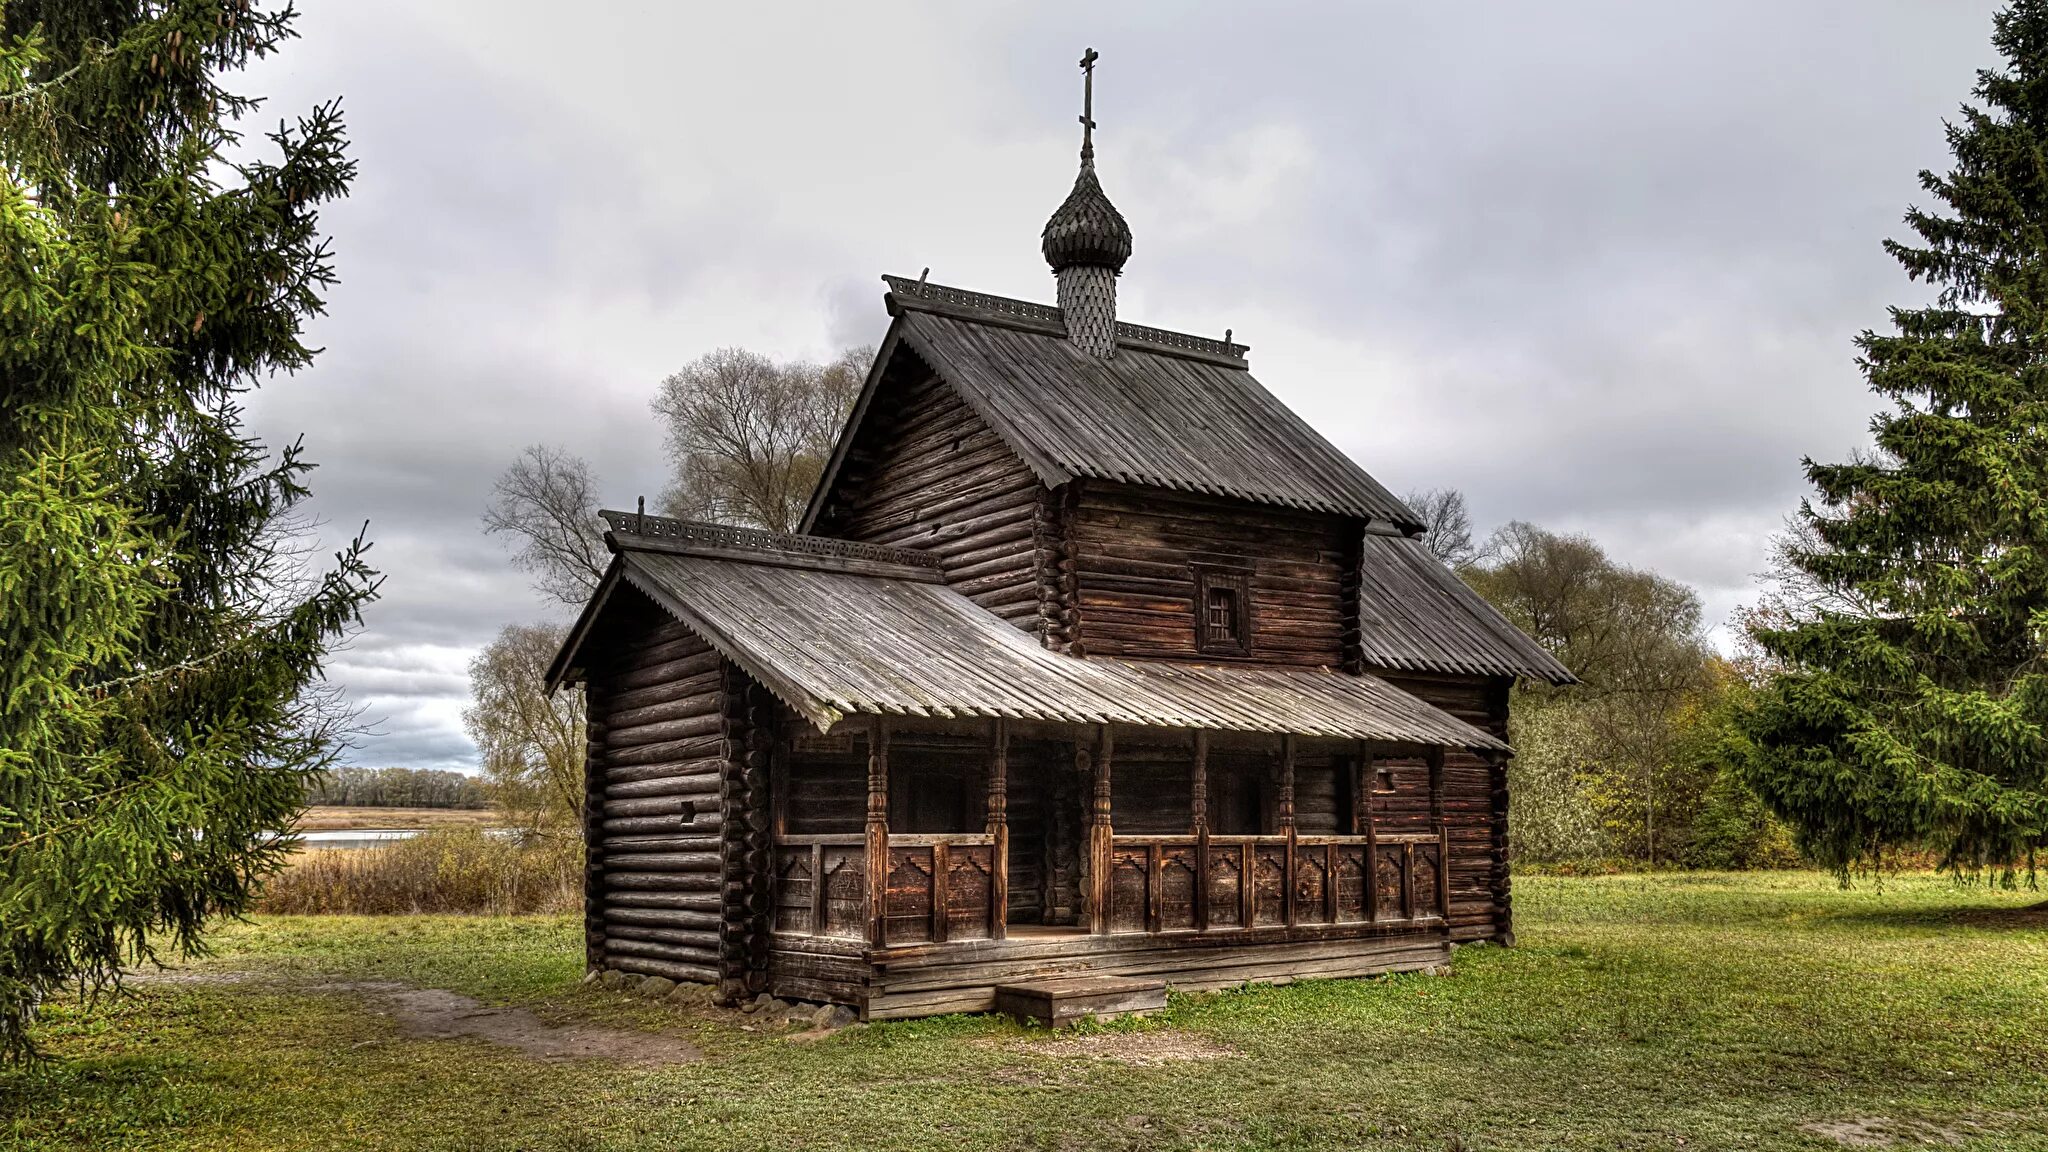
755,539
1047,314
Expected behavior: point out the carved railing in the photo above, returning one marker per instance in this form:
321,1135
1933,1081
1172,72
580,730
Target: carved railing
1190,883
821,886
941,887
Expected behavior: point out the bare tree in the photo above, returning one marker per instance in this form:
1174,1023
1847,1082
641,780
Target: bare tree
1446,524
1621,630
547,500
749,437
1635,639
531,743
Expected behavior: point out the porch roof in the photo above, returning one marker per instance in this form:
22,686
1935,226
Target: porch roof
833,638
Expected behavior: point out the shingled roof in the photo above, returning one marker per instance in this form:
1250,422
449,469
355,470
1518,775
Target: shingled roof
1415,615
835,631
1169,410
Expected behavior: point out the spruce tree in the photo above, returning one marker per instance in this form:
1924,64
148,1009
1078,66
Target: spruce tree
1910,701
161,635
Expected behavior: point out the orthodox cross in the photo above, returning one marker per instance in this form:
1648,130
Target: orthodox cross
1088,59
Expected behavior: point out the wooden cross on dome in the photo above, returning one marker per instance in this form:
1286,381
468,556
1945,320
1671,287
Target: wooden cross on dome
1088,59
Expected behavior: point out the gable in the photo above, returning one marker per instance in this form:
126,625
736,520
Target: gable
978,408
614,617
1167,411
921,469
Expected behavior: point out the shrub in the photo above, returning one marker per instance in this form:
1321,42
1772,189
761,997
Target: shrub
1552,817
444,870
1734,831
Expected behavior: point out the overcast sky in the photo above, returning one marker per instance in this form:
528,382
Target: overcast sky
1597,265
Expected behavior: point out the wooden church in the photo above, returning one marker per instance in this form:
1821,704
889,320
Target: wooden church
1094,669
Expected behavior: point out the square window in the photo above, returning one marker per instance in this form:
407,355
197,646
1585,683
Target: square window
1223,611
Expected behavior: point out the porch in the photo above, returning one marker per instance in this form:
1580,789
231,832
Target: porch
1250,857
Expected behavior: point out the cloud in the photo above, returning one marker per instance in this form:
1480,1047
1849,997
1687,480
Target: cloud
1598,264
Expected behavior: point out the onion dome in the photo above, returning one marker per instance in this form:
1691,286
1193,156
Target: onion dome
1087,229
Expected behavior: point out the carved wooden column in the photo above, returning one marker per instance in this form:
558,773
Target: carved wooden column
1287,823
999,831
1101,837
1198,824
878,831
1286,818
1361,758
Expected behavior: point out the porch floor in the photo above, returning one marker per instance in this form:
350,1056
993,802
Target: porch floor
925,979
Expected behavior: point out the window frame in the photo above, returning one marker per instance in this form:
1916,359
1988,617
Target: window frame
1209,640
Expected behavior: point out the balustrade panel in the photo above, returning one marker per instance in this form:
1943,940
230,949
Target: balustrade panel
1311,884
1179,867
1269,885
796,890
1226,886
970,885
1423,879
1351,884
846,892
908,911
1130,876
1387,882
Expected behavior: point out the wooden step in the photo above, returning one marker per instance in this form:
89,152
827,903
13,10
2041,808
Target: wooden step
1061,1002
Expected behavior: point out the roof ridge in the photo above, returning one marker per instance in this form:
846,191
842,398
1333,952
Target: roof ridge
924,296
632,525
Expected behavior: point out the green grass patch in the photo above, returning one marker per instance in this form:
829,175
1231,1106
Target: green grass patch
1668,1011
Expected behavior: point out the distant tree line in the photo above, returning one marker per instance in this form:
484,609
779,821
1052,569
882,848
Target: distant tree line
397,788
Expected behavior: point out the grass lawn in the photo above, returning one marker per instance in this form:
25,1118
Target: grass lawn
1666,1012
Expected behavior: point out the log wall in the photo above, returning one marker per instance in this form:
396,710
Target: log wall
825,790
1133,550
654,797
746,872
1475,804
924,471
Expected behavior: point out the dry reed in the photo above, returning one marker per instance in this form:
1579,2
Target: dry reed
443,870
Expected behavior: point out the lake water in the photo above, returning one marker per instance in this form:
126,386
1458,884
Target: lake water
355,838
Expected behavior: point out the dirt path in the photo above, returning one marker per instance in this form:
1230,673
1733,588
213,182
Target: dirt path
438,1014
